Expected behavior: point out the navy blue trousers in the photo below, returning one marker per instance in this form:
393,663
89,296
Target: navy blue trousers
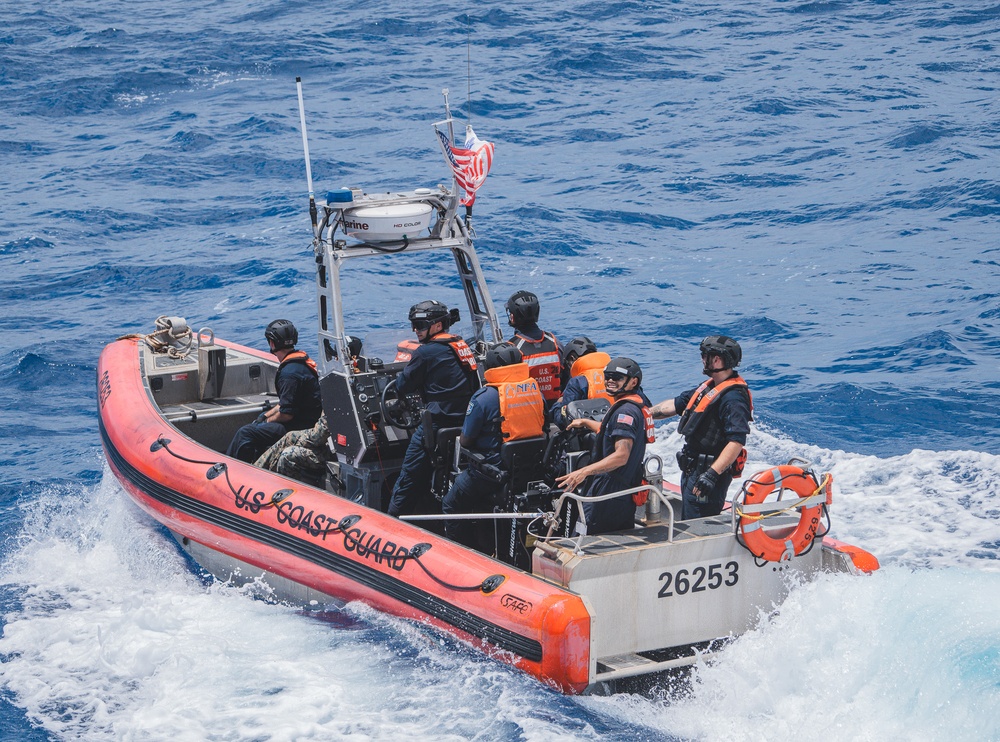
691,508
413,487
617,514
469,493
252,440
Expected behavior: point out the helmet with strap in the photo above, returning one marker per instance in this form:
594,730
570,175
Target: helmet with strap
623,367
426,313
281,334
502,354
523,308
575,348
725,347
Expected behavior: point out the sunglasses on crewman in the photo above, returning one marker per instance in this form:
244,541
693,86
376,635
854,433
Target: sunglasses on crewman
614,376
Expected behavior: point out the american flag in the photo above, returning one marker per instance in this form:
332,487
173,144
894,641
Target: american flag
471,163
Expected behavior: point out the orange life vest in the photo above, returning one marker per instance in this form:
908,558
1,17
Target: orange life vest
522,407
300,356
647,415
544,364
591,367
462,350
406,348
703,398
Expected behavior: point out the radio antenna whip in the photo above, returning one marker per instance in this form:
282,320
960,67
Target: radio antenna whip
305,146
468,64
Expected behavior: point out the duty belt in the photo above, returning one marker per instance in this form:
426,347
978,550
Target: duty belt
693,462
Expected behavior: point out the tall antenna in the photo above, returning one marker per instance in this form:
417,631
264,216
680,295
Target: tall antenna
468,63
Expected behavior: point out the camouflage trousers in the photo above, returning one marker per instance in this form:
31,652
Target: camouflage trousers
300,454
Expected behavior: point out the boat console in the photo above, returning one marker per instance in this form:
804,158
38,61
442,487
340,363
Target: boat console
364,441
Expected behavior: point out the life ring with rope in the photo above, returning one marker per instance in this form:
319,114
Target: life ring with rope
804,484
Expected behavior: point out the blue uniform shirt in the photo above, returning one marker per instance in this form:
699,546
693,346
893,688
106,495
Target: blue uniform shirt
627,422
435,373
482,424
576,388
618,514
298,395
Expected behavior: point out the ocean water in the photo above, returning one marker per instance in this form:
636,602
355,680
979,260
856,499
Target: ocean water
817,179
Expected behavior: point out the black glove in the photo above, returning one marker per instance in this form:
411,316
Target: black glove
261,418
705,485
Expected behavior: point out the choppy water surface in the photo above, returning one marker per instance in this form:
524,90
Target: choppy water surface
816,179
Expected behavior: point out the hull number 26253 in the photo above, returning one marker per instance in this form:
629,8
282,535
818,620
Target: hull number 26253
699,579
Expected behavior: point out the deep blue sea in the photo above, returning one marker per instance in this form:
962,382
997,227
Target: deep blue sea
819,180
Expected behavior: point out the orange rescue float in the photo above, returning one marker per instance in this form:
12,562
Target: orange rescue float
760,543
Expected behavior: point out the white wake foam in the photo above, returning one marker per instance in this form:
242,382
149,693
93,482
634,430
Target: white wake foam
110,634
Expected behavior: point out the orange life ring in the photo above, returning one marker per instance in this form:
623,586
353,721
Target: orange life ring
758,487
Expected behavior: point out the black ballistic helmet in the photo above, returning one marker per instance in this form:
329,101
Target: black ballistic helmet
281,334
523,307
577,347
426,313
624,366
502,354
725,347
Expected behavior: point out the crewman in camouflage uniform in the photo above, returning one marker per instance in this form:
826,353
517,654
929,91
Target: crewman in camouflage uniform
300,454
303,454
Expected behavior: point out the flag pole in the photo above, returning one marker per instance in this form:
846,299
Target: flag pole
447,116
451,134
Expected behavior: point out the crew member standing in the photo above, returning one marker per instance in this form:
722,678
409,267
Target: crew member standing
715,422
442,370
539,349
621,443
299,403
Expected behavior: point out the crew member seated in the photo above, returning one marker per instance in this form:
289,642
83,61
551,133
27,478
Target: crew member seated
299,403
621,444
442,370
510,407
583,369
300,454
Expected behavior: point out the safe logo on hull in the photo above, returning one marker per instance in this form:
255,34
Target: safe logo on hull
516,604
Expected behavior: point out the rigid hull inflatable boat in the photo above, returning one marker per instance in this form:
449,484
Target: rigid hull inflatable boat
576,611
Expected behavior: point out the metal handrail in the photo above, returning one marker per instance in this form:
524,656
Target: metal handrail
474,516
196,415
653,489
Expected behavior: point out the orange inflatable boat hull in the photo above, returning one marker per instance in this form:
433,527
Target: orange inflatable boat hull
330,544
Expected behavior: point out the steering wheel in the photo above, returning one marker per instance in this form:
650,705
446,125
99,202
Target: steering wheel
402,415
